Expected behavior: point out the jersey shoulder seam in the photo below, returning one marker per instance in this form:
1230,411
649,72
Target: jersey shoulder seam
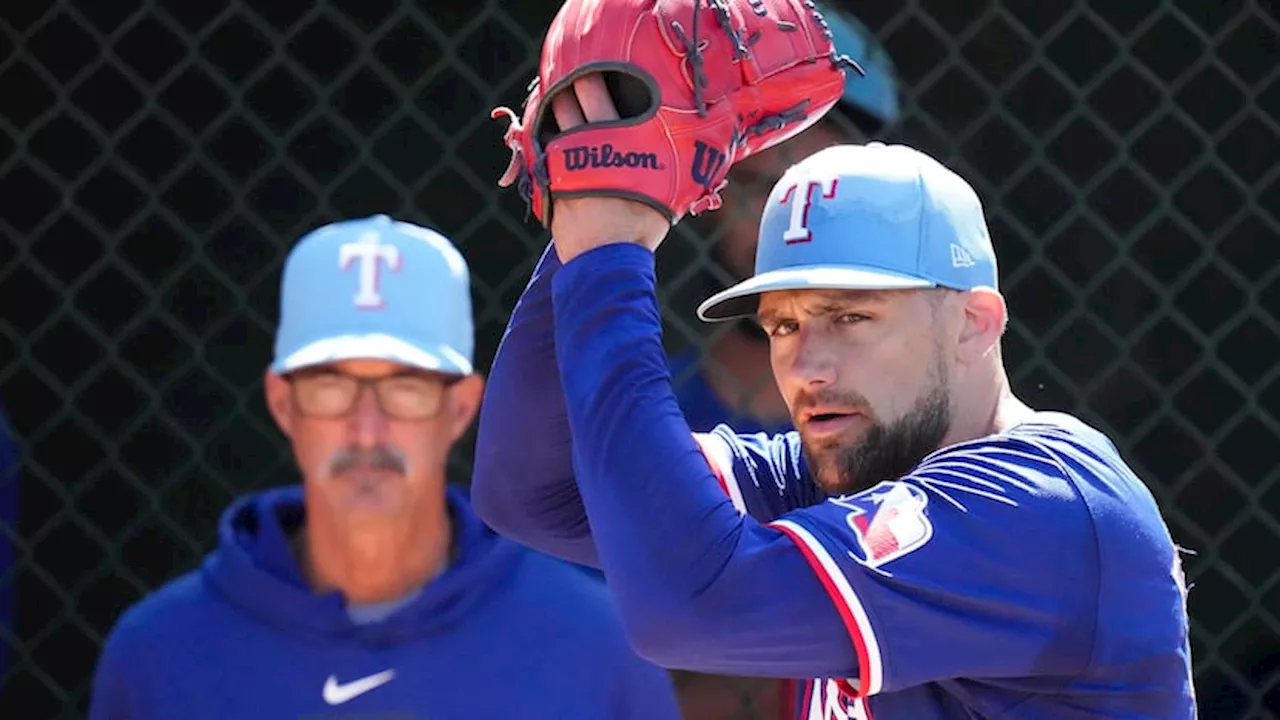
1095,605
1029,442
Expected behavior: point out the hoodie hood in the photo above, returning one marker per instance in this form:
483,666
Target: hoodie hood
254,568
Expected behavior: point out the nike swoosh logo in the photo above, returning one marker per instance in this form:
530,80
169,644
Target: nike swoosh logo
336,693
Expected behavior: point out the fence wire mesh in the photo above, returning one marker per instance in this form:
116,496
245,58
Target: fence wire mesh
159,158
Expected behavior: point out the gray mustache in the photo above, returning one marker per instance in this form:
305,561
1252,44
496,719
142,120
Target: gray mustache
378,458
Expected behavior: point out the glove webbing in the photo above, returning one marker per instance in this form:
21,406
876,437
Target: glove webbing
693,51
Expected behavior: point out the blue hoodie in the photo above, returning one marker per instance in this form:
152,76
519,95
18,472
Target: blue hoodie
503,632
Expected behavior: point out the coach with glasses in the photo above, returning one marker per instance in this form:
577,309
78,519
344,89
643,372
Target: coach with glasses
372,590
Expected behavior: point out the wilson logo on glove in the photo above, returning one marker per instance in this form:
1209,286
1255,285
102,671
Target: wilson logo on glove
583,157
698,84
707,164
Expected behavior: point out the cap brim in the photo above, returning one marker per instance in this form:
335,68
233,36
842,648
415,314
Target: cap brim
740,300
441,359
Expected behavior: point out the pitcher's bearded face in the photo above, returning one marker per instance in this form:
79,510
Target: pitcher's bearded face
866,377
874,449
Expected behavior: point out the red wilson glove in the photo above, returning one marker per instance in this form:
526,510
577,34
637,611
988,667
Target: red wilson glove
699,85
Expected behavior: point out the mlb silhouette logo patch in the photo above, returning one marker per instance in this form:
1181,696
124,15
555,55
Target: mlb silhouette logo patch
889,520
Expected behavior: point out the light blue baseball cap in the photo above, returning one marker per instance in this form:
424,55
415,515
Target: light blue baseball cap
876,92
865,217
375,288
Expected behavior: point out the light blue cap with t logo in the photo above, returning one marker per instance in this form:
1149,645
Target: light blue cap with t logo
865,217
375,288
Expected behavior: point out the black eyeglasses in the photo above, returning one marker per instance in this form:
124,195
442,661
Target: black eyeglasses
331,394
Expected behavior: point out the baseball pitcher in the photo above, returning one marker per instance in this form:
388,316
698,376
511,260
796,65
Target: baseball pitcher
925,544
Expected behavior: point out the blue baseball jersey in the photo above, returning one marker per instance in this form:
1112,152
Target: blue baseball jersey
997,579
1027,574
502,632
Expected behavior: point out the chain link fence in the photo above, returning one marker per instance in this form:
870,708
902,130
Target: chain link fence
159,158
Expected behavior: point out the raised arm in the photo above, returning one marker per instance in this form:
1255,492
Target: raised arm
699,584
523,485
908,582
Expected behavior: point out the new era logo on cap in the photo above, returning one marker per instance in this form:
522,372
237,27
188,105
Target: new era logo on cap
865,217
375,288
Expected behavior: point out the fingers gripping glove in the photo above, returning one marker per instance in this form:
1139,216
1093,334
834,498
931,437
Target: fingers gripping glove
698,84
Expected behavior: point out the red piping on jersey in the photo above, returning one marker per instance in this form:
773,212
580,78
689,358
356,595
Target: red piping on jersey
715,467
846,614
788,693
802,711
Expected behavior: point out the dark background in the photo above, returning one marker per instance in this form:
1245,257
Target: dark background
157,161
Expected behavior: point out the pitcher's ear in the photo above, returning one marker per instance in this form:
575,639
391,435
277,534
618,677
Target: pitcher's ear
985,319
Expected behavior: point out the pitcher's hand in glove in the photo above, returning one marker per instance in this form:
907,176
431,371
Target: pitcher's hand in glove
581,223
682,89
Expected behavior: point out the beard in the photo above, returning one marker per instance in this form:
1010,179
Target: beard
889,450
